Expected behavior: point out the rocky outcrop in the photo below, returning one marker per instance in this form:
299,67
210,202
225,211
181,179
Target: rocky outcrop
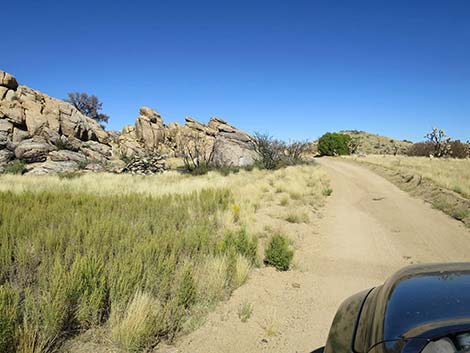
51,135
222,144
46,133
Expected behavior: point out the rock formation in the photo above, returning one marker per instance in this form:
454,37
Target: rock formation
50,135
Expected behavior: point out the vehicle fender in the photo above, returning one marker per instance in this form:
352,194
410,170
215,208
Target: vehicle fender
341,335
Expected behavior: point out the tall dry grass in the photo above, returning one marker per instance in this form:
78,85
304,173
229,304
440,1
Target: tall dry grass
138,256
449,173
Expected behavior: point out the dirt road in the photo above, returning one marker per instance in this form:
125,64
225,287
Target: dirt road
368,230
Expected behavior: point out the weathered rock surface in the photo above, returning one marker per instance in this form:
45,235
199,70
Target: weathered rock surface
146,165
220,143
8,81
52,136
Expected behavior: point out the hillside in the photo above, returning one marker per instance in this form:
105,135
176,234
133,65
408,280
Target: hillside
377,144
368,143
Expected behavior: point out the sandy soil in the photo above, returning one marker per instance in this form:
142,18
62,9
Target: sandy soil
369,229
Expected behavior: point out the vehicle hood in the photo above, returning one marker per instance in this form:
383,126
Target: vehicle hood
416,302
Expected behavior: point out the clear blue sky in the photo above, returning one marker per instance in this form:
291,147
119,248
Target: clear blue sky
295,69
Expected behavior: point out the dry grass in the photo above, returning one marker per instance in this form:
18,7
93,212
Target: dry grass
120,252
133,328
449,173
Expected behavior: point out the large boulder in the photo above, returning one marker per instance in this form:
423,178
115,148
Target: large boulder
49,167
66,156
6,156
230,151
8,81
33,150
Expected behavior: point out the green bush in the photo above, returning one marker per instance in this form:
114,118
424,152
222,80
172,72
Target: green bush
278,253
15,167
334,144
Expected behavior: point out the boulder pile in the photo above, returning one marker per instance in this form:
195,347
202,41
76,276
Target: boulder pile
145,165
51,136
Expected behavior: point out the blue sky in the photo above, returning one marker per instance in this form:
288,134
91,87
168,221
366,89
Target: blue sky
295,69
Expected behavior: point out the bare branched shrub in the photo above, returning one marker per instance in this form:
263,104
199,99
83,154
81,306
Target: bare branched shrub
270,150
196,153
276,153
295,151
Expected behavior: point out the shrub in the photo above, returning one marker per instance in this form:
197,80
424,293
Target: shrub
297,218
15,167
459,149
245,310
278,253
440,147
327,191
242,244
270,151
274,153
334,144
421,149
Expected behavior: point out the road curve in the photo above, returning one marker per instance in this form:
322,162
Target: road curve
368,230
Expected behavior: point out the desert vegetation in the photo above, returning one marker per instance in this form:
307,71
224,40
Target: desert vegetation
444,182
334,144
449,173
139,258
438,144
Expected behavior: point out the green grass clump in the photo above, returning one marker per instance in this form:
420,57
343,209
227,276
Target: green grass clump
245,310
15,167
278,253
284,201
297,218
327,191
80,261
9,303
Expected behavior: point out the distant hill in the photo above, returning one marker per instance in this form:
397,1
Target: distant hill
375,144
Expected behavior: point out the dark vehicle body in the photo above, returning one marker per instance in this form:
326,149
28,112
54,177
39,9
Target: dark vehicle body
418,305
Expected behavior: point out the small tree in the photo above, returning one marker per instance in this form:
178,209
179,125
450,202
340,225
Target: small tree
440,141
88,105
334,144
